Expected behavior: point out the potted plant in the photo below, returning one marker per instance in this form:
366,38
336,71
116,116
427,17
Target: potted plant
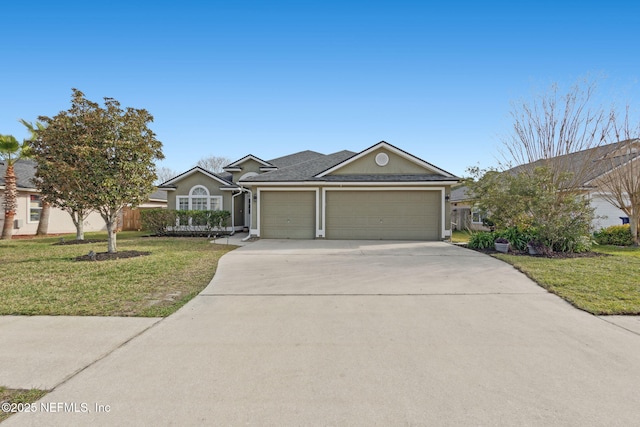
502,245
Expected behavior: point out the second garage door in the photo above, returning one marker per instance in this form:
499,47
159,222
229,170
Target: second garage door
288,214
383,215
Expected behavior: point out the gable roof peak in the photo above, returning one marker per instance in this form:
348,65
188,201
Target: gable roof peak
393,149
248,157
169,183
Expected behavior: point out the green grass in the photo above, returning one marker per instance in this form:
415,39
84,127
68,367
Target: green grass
460,236
20,397
39,278
600,285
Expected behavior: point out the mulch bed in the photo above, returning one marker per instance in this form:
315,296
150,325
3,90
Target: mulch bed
558,255
105,256
78,242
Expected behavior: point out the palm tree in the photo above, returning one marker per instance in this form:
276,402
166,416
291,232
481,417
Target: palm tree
10,152
43,222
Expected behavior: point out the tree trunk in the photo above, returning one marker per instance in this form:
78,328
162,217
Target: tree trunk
10,202
111,232
78,221
43,223
7,228
80,230
633,226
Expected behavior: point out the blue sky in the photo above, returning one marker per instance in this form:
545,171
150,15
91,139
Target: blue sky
272,78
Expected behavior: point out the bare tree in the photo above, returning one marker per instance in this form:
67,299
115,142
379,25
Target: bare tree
553,125
621,185
213,163
165,174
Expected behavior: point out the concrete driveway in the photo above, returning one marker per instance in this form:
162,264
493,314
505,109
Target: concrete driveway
363,333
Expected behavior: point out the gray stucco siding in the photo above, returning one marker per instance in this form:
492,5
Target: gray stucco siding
247,166
184,186
396,165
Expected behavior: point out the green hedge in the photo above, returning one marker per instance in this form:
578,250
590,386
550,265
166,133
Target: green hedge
617,235
163,222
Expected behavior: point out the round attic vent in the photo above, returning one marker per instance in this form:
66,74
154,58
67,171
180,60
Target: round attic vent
382,159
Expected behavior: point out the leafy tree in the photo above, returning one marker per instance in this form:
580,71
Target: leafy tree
61,172
10,152
543,192
531,202
214,164
112,152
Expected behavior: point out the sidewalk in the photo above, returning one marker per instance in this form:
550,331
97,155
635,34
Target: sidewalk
44,351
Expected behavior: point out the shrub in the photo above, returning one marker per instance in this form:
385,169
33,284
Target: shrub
534,200
157,221
481,240
200,222
518,237
618,235
163,222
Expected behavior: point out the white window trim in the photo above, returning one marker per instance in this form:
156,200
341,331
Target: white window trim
209,198
212,198
29,209
476,211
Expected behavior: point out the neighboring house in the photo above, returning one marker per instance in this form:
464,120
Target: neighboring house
603,160
129,218
464,215
382,192
30,205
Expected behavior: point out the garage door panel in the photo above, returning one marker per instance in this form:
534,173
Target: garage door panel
288,214
386,215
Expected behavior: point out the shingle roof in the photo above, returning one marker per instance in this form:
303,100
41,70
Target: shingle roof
25,171
602,159
158,195
295,158
460,193
304,170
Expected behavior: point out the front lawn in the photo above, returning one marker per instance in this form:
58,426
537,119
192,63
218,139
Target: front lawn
460,236
599,285
39,278
17,399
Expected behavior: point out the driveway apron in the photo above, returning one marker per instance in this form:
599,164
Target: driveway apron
362,333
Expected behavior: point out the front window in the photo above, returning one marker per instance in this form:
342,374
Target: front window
476,216
35,207
183,203
199,200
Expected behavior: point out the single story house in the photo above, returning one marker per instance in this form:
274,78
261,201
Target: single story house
30,205
602,161
380,193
